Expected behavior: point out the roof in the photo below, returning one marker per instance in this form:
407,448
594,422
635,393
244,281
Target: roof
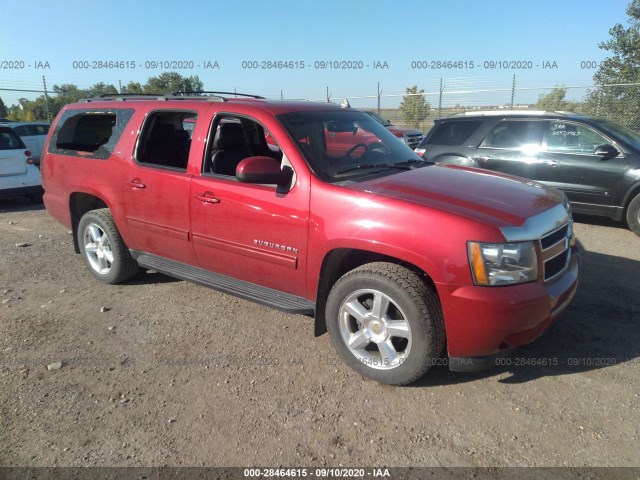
515,113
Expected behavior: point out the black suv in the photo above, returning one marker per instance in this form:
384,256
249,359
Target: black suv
595,162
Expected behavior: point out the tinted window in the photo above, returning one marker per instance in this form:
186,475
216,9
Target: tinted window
569,137
343,145
453,133
514,134
624,133
89,133
164,141
9,140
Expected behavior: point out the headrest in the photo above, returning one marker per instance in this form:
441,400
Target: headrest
230,135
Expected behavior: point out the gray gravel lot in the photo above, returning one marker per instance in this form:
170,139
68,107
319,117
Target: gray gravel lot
162,372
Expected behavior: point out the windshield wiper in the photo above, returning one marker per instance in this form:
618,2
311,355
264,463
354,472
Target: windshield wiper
374,165
413,161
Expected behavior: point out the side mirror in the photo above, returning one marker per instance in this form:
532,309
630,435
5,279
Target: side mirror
263,170
606,151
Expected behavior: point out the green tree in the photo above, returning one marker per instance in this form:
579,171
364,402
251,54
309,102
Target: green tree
554,101
3,109
169,82
619,103
414,107
133,87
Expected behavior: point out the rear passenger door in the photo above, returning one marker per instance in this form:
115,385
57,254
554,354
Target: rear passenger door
512,147
156,186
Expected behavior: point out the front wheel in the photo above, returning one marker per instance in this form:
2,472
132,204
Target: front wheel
633,215
103,249
386,323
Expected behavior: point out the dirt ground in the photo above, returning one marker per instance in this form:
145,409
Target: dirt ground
162,372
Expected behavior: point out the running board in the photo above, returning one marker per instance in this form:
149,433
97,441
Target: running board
249,291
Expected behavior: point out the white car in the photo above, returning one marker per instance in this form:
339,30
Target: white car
18,175
33,134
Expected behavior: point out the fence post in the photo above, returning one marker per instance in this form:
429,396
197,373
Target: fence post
328,96
46,98
513,91
440,99
379,95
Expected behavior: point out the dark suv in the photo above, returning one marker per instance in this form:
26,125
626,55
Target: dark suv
595,162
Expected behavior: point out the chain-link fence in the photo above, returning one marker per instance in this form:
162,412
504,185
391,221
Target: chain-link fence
435,98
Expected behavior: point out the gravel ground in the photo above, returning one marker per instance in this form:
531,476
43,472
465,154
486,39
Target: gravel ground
160,372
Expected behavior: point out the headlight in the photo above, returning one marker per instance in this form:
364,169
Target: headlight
495,264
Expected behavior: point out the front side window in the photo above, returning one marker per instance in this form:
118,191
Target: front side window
514,134
567,137
232,138
342,145
89,133
165,140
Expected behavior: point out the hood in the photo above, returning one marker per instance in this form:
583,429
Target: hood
495,199
400,130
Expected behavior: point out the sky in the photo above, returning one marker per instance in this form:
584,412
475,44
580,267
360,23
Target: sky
502,38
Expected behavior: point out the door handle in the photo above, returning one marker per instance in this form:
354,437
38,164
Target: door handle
484,158
136,184
207,198
551,163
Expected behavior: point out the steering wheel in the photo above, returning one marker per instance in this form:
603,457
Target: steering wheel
347,156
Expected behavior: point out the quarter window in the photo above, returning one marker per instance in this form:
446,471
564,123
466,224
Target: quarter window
89,133
453,133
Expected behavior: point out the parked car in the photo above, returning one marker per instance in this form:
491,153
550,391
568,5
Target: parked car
395,256
18,175
410,136
33,134
595,162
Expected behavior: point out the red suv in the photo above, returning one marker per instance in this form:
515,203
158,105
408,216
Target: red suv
396,257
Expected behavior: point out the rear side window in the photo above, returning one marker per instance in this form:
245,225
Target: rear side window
165,140
9,140
453,133
89,133
515,134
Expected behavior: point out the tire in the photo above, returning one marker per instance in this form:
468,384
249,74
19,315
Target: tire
633,215
103,249
405,306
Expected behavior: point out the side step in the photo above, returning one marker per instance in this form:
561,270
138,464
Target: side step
249,291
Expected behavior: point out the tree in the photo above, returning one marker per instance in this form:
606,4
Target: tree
414,107
168,82
554,101
620,103
133,87
3,109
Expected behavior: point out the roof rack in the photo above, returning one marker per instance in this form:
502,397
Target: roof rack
511,112
207,96
126,97
208,92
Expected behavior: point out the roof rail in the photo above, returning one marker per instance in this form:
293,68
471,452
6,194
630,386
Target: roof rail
208,92
125,97
511,112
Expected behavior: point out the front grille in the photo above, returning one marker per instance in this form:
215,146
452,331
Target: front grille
556,251
413,139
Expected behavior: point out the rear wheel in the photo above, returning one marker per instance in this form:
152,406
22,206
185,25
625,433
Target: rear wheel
103,249
633,215
386,323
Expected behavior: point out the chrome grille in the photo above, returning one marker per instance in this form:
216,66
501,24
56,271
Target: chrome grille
556,251
413,139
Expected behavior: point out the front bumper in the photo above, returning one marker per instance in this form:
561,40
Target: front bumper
487,323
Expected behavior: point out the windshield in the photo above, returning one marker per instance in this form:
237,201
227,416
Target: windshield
345,145
379,119
624,133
